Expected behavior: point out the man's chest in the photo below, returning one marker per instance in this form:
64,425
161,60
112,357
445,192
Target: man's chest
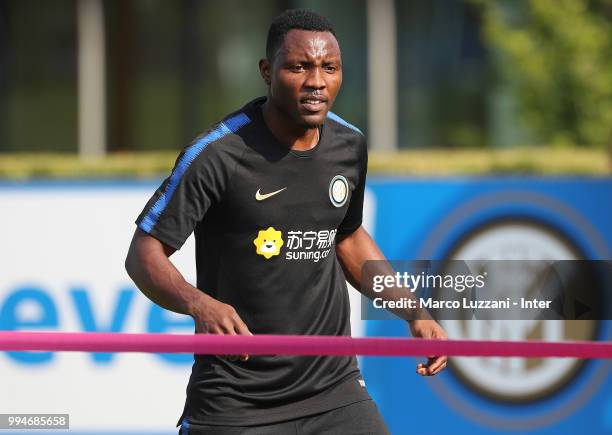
303,193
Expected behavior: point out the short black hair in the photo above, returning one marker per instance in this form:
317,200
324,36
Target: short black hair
303,19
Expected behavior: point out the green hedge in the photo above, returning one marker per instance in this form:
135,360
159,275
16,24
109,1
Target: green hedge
536,161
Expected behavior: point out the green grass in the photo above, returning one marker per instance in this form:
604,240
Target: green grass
439,162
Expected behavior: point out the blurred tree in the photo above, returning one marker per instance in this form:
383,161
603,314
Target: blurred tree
556,57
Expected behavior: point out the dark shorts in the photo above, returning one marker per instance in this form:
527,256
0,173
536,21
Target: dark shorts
361,418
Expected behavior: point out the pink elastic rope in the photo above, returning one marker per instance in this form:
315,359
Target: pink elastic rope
293,345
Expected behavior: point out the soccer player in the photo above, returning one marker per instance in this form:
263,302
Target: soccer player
274,194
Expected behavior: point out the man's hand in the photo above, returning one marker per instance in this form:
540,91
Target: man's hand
148,264
429,329
353,251
214,317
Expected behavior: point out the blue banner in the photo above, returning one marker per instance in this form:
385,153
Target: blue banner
504,218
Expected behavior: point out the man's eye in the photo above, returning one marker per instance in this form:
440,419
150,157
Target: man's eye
297,68
331,68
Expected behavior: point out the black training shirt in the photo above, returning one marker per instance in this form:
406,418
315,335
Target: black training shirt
265,220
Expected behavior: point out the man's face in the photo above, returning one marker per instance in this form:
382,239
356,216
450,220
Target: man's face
305,76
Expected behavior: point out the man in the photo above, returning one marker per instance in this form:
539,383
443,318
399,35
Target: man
274,194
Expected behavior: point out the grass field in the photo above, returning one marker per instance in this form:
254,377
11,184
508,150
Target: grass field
438,162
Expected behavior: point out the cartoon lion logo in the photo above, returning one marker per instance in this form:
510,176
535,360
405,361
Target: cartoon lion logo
269,242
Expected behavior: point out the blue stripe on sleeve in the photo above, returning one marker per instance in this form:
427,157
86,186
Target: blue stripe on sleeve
184,427
228,126
331,115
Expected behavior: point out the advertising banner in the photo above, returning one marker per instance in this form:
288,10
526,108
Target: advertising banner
63,270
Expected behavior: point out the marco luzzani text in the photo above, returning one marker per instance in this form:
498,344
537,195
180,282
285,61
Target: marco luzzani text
457,283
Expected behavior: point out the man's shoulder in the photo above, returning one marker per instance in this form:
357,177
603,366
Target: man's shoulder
225,137
225,131
340,125
347,133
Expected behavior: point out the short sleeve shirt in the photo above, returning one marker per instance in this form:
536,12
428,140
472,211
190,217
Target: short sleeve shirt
265,220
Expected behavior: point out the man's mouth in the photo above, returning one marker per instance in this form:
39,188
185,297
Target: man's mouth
313,104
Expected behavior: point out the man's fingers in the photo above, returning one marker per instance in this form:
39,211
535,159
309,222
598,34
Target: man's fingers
240,327
435,365
439,369
223,329
421,369
222,319
235,326
234,329
227,326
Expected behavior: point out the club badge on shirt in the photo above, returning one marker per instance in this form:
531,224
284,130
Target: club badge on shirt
338,190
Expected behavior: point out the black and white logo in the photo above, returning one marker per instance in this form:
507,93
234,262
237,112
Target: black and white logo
338,190
517,379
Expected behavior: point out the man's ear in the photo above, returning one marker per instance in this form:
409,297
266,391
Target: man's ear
265,69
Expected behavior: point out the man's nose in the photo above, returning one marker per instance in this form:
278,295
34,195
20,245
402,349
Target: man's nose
314,80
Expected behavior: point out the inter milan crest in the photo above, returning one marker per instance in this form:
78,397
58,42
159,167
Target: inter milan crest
338,190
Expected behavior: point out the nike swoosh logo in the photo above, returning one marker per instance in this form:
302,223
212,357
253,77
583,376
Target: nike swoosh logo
260,197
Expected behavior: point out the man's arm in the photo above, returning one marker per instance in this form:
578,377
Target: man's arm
148,265
353,251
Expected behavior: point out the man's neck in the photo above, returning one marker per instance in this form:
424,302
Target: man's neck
297,138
